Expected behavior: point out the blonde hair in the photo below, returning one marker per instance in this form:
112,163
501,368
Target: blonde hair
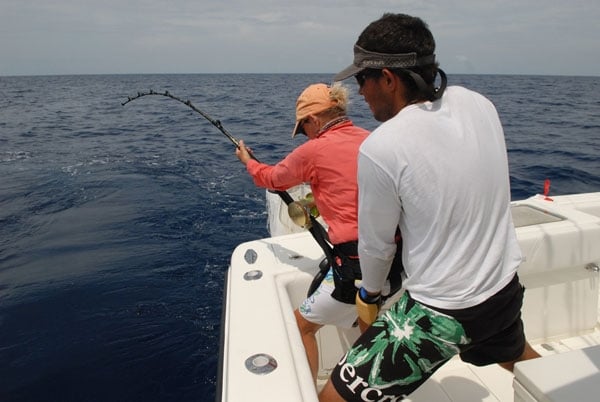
339,96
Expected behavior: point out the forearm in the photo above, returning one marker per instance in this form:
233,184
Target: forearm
378,217
374,272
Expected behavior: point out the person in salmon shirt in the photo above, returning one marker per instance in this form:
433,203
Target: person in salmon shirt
328,161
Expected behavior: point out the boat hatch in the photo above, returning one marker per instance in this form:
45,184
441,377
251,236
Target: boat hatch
526,215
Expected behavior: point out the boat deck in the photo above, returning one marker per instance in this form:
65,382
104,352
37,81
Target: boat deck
457,381
557,301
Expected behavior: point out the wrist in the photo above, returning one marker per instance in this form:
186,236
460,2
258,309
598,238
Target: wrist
367,306
370,298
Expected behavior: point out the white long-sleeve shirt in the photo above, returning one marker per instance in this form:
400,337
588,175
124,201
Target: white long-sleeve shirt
439,171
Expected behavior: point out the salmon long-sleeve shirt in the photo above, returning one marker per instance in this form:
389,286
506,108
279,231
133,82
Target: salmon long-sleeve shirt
329,164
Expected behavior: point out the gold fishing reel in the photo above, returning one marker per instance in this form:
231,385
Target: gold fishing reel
300,211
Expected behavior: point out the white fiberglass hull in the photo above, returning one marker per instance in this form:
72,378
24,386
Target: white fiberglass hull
263,359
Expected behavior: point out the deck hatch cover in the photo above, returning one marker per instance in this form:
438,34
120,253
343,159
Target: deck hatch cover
525,215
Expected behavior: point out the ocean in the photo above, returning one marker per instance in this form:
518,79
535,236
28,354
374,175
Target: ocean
117,222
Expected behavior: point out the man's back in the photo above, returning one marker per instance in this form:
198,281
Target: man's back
447,163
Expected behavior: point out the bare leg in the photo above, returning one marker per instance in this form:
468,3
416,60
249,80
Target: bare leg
362,325
329,394
308,331
528,353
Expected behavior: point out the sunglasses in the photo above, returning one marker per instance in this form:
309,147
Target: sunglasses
301,126
362,76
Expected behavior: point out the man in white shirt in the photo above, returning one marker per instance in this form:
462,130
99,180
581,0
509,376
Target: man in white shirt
437,169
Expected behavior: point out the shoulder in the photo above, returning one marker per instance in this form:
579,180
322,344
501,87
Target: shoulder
306,148
347,134
382,141
457,93
349,128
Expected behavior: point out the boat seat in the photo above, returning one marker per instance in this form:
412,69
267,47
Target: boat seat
564,377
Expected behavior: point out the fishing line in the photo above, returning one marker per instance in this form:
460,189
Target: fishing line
217,123
316,229
214,122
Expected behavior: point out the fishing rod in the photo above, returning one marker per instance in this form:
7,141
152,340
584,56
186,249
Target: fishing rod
214,122
217,123
315,228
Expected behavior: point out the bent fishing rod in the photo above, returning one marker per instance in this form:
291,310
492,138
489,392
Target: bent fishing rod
316,229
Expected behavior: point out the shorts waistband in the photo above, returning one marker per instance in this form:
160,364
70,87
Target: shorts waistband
349,248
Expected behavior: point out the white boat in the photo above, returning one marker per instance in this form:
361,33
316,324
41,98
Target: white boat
263,359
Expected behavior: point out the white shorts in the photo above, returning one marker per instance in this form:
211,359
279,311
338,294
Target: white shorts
321,308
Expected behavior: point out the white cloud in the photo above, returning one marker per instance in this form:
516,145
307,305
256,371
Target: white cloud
70,36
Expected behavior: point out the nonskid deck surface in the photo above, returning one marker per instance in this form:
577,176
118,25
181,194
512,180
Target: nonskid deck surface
458,381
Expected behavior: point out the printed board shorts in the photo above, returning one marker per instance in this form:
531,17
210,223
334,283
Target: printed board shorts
321,308
409,342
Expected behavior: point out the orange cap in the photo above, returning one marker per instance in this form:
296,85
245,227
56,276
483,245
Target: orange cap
314,99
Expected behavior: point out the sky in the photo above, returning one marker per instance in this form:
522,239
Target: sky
48,37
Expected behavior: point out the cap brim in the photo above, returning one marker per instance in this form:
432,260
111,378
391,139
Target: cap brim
348,72
296,129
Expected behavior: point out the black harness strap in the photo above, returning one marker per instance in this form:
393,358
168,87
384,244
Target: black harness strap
346,269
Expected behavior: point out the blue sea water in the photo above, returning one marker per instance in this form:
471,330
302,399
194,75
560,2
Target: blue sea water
117,222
